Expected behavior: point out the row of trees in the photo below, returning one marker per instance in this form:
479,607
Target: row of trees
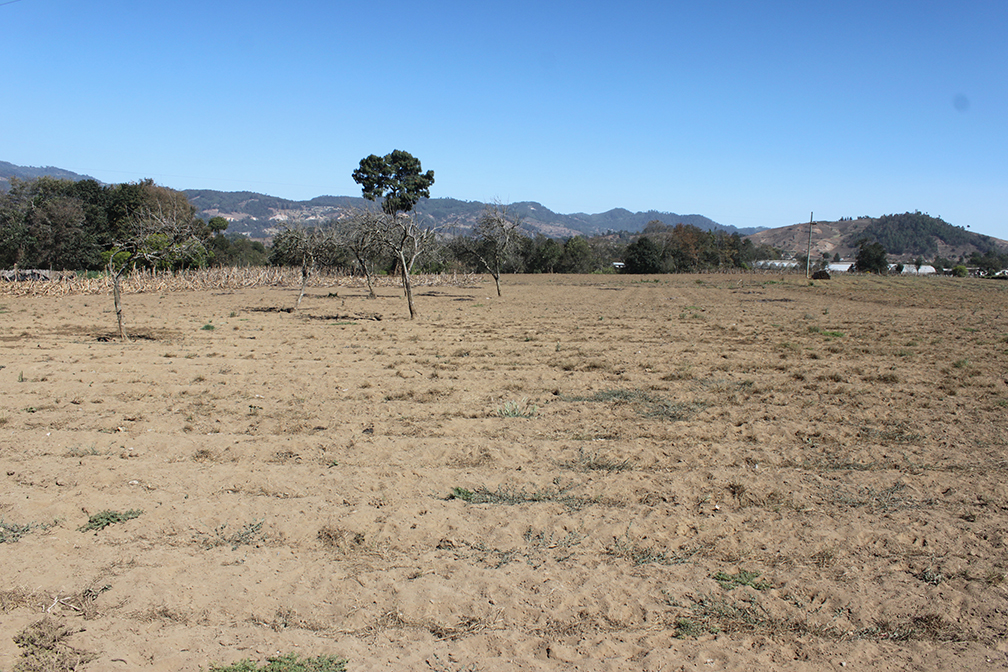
687,249
498,244
56,223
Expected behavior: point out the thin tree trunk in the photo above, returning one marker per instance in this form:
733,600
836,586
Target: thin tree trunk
370,285
117,297
304,281
367,276
496,277
407,286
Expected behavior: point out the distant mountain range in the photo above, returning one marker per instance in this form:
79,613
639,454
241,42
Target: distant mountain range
9,170
904,236
259,215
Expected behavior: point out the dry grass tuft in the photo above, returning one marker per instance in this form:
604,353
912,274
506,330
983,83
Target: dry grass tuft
44,648
285,618
18,598
160,613
336,538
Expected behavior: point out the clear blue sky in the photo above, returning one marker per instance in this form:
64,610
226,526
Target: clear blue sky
751,113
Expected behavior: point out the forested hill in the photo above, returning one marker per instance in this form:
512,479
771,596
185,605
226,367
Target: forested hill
904,237
920,234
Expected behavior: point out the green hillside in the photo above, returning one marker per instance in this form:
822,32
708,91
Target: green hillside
918,234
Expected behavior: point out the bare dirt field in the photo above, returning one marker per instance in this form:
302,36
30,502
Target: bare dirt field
591,473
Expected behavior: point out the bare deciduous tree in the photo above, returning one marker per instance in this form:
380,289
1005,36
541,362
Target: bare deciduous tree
306,246
162,230
357,231
494,238
406,238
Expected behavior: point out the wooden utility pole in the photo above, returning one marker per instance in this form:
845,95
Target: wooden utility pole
808,254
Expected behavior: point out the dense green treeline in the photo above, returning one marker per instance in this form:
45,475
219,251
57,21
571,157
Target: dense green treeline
77,225
54,223
688,249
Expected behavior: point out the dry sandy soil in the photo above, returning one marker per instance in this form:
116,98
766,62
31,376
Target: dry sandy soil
590,473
